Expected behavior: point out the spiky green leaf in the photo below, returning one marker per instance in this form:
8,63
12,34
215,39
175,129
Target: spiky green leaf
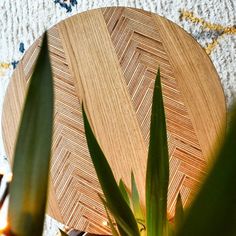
121,228
124,192
157,176
28,190
138,213
214,210
111,225
115,201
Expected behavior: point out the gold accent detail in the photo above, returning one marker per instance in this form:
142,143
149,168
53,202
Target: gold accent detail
223,30
4,65
210,47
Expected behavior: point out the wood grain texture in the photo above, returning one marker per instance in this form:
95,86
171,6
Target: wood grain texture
108,59
201,74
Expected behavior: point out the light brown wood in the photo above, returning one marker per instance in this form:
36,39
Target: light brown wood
195,92
108,59
100,82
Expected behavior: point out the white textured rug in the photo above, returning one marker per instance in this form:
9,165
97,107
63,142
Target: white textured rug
211,23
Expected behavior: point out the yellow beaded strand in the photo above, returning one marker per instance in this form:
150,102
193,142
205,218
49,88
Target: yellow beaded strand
228,30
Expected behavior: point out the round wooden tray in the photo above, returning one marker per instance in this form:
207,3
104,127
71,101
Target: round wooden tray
108,58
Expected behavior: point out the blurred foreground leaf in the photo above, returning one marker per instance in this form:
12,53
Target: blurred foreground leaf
157,175
214,210
28,190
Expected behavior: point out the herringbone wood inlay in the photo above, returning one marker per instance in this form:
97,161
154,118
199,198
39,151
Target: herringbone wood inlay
139,49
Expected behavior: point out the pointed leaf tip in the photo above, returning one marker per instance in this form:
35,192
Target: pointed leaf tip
124,192
138,213
157,174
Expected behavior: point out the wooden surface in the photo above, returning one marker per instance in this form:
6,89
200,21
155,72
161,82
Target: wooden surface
108,59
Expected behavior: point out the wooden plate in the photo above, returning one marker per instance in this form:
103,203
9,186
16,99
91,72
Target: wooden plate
108,58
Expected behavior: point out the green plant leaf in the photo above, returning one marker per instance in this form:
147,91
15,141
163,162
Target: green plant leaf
157,175
115,201
138,213
113,229
214,210
179,213
124,192
120,228
63,233
121,231
28,190
126,197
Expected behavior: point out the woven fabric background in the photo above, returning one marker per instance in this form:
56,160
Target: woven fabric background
211,23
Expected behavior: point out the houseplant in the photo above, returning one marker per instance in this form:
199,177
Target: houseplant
212,213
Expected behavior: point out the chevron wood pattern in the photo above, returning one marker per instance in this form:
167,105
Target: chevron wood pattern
140,49
136,43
